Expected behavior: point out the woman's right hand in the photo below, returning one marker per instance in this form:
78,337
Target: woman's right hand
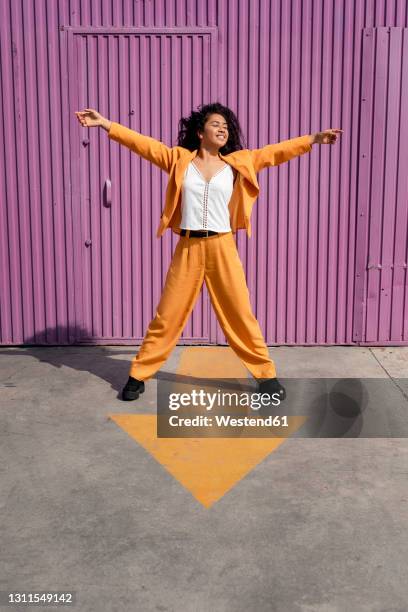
90,117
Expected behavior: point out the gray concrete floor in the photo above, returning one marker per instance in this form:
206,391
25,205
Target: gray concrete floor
319,525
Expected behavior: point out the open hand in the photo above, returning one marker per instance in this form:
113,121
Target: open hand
327,136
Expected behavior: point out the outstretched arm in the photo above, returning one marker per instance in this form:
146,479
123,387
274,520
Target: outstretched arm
147,147
275,154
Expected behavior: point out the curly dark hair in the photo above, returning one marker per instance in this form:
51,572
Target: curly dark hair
188,126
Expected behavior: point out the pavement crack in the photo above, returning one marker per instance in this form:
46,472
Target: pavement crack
403,393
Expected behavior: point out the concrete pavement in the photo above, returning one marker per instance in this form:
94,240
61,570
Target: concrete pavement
318,525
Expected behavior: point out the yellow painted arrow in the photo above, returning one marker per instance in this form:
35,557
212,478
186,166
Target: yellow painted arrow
207,467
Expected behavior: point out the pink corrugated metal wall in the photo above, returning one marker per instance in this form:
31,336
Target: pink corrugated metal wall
381,296
79,258
119,197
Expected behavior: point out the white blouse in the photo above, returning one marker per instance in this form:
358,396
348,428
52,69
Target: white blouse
204,204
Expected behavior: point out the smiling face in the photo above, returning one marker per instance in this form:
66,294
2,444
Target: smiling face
215,134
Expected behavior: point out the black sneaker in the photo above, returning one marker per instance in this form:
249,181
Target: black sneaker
271,386
132,389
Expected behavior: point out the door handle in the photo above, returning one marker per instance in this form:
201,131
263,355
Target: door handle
107,198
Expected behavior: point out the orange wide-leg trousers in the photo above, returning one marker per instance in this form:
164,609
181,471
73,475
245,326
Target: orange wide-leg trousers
216,260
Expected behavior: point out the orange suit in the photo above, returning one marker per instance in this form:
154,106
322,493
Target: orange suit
214,259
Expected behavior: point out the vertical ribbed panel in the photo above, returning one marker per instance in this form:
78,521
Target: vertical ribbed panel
382,231
144,81
36,276
286,68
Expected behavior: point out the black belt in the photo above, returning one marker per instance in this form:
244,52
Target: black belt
198,233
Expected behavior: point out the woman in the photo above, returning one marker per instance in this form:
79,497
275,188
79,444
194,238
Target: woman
212,187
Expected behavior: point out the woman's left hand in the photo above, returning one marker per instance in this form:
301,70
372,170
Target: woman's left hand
327,136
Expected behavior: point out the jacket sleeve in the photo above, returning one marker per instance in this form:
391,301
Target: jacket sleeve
147,147
275,154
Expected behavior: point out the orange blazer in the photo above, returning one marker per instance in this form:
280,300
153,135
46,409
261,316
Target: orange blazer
174,160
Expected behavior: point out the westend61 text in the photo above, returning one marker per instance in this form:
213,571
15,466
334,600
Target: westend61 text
228,421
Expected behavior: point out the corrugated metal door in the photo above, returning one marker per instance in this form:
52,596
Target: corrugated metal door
145,80
381,306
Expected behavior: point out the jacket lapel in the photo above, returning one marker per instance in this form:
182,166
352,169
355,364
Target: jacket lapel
240,160
182,164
